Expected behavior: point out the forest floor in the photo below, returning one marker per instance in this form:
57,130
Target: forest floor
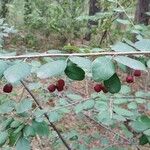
83,125
88,127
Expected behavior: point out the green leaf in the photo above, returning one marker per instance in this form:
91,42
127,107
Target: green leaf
19,129
143,140
142,94
125,89
23,144
5,124
132,105
147,132
7,107
74,72
141,124
132,63
13,138
148,63
15,124
84,63
39,114
104,118
54,68
113,84
120,46
54,116
101,105
122,21
3,137
122,67
74,97
17,72
123,112
79,108
89,104
118,9
143,45
125,130
28,131
41,128
3,67
62,102
119,101
140,100
24,106
119,117
102,68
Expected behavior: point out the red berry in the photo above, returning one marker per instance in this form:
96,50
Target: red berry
129,79
51,88
137,73
61,83
60,88
98,87
8,88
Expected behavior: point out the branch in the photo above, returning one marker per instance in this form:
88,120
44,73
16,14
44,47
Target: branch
46,116
107,53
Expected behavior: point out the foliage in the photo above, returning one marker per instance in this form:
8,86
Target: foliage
117,107
5,30
102,69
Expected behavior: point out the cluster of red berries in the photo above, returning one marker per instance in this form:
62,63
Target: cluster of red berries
61,83
59,86
99,87
8,88
130,78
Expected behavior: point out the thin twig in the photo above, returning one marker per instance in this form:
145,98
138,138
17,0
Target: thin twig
87,88
69,105
46,116
21,95
120,5
107,53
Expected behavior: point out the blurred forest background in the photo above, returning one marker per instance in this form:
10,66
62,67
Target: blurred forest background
52,24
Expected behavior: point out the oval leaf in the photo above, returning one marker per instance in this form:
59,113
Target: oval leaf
23,144
132,63
7,107
141,124
84,63
24,106
102,69
113,84
122,47
123,112
41,128
3,137
143,45
17,72
3,67
51,69
74,72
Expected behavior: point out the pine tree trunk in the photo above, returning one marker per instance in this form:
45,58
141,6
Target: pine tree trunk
143,6
93,9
